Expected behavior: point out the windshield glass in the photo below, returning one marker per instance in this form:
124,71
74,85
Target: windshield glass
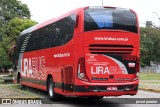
103,18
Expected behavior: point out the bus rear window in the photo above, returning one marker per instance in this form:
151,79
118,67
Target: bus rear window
103,18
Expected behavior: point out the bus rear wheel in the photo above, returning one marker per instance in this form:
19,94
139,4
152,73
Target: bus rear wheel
52,95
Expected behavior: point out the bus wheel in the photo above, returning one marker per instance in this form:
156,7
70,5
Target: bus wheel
95,97
20,83
52,95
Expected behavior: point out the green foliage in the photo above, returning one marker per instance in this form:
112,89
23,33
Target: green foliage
150,46
10,32
10,9
13,29
14,18
4,63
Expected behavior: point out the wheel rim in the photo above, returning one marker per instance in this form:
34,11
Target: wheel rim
51,89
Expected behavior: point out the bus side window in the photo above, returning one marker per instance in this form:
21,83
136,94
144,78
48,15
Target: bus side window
52,34
67,38
67,26
55,34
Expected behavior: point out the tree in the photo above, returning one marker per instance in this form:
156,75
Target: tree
13,29
4,62
10,9
150,46
10,32
14,17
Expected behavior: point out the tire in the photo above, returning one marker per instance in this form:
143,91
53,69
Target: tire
21,86
50,88
95,97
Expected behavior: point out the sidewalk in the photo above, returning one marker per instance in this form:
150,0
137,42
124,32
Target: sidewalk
150,85
6,78
1,76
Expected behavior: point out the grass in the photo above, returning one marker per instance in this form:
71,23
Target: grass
150,81
1,81
149,76
10,90
155,82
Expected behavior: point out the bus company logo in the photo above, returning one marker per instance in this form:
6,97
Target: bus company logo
33,67
6,101
107,70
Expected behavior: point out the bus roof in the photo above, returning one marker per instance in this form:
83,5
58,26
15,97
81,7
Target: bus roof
38,26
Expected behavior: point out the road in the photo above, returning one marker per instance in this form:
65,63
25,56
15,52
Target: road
122,101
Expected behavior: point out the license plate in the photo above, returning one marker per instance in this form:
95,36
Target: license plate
112,88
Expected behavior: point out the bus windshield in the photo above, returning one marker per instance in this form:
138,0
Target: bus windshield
116,19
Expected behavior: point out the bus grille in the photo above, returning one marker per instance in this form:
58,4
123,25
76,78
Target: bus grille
110,49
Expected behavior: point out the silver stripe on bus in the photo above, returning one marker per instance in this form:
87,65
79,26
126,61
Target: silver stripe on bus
26,39
25,42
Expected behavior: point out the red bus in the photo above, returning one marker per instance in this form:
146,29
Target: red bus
89,52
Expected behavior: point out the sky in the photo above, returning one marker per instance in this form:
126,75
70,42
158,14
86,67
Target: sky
43,10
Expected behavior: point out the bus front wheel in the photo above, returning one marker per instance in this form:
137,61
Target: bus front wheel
20,83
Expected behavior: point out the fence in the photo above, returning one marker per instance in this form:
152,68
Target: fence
151,69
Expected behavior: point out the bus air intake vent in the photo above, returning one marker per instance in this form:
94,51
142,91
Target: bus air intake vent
110,49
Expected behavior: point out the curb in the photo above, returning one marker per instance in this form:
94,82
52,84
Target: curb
151,90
